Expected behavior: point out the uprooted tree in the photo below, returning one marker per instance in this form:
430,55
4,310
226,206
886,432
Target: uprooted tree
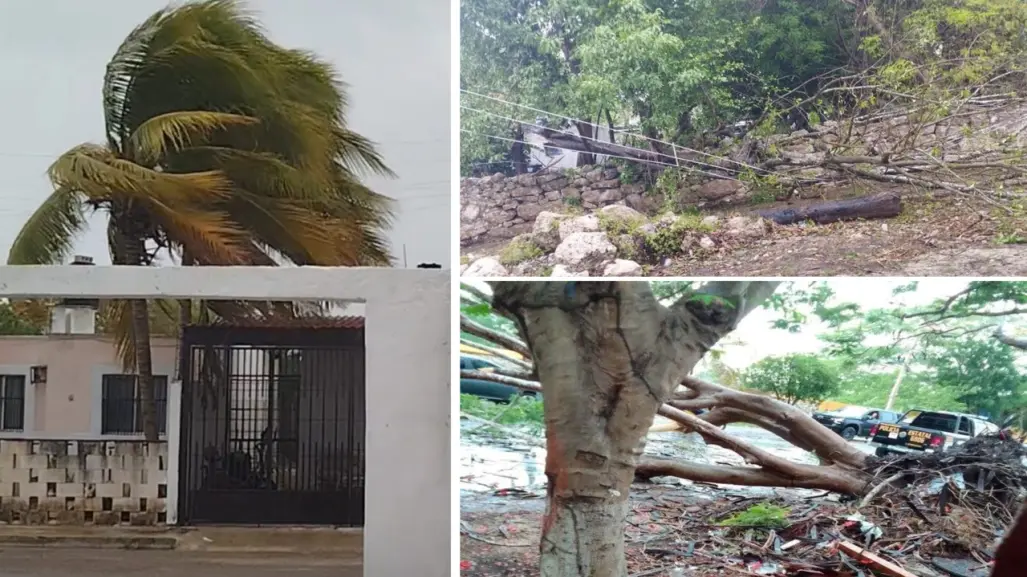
610,356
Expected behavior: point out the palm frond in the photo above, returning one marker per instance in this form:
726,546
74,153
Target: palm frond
174,131
48,235
101,176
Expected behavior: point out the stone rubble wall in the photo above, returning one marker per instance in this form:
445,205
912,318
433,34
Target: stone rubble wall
74,482
501,207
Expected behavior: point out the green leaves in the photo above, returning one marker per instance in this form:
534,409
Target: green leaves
792,378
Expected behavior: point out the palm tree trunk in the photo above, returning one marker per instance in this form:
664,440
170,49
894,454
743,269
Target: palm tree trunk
144,368
131,250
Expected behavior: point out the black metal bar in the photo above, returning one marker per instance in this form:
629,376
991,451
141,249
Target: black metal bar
287,453
285,337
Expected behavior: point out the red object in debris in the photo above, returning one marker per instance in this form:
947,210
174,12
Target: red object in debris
465,565
937,440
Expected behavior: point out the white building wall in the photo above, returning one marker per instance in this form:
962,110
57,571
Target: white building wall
408,338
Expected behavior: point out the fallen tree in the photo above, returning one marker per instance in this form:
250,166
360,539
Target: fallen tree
608,357
868,207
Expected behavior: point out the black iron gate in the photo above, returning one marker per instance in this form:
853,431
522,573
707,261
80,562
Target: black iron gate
272,426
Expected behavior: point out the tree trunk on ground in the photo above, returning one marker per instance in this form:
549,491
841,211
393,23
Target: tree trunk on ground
608,355
878,206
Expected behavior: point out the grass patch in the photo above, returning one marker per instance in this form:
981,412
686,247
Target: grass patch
666,240
519,251
615,225
762,515
521,411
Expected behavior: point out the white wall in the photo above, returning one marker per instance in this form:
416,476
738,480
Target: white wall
407,502
562,158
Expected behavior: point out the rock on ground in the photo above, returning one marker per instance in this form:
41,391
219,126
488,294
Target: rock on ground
584,250
587,223
621,267
562,271
546,231
486,267
718,189
621,213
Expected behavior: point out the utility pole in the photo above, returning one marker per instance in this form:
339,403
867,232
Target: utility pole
404,256
898,381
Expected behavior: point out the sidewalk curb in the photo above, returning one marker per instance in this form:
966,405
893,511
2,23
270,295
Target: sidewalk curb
163,543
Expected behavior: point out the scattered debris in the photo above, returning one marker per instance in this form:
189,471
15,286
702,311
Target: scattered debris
939,515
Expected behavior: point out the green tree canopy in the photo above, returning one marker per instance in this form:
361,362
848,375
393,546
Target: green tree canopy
792,378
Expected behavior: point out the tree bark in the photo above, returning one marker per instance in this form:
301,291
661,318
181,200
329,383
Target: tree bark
879,206
517,152
130,250
587,135
1019,343
607,355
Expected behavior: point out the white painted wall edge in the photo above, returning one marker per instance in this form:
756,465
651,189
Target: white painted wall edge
174,443
355,284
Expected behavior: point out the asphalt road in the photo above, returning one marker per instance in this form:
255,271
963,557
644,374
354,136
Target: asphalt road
54,562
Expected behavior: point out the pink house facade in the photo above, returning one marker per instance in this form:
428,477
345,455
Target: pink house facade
58,379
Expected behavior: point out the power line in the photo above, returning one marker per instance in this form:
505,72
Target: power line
676,164
505,139
620,130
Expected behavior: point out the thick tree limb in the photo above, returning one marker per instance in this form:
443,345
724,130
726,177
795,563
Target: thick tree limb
808,477
748,451
511,343
502,379
526,367
824,442
867,207
1017,342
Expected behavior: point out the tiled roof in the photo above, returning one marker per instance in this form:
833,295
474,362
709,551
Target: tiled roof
346,322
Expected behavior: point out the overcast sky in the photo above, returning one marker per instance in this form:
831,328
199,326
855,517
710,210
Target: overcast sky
394,54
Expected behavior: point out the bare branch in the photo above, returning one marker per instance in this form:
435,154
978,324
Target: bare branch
1017,342
807,476
511,343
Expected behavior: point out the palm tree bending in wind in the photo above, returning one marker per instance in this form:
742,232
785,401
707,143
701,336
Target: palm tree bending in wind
221,148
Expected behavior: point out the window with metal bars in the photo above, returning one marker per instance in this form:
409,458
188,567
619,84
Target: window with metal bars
12,402
122,408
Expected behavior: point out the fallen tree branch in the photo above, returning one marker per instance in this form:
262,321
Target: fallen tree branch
868,207
469,326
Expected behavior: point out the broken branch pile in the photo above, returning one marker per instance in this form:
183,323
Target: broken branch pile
947,509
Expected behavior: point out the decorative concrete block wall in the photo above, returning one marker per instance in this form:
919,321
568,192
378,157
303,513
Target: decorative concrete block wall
74,482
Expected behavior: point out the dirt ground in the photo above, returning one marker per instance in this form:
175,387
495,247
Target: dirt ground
500,538
944,237
48,562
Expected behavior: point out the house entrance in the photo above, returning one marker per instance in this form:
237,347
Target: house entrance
272,425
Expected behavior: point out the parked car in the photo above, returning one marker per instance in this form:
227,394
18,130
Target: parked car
488,389
929,431
854,421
